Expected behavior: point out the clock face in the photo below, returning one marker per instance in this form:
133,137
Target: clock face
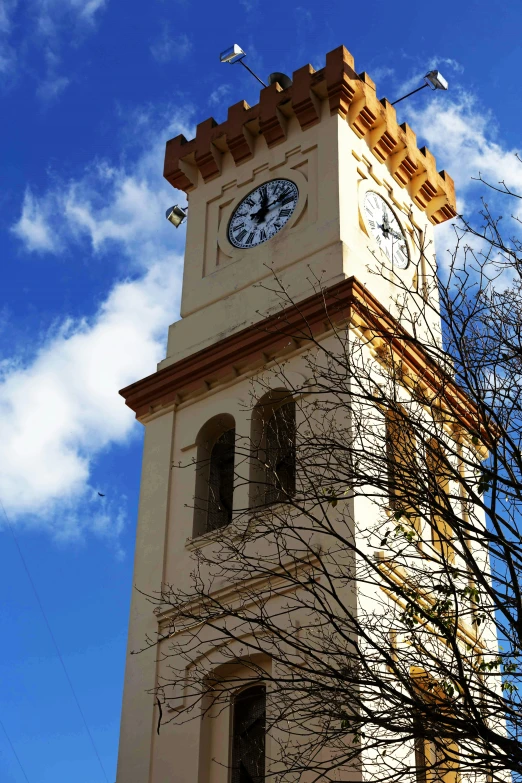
264,212
386,229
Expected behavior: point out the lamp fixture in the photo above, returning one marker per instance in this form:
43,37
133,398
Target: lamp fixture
235,54
282,79
433,79
176,215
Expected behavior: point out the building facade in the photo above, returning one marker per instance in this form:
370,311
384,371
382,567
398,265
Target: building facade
293,202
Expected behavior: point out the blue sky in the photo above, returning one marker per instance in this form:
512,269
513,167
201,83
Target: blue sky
90,91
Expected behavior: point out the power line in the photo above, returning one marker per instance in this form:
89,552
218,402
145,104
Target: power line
15,754
55,643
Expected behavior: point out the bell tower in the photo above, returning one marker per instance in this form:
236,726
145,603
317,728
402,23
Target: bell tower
315,193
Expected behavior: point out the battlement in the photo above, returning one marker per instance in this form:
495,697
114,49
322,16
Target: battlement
352,97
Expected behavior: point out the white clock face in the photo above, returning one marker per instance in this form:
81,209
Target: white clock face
386,229
264,212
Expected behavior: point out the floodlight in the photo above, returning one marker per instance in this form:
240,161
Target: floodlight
232,54
436,80
433,79
176,215
281,78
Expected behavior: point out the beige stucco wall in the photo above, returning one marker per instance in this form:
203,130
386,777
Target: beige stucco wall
326,240
164,553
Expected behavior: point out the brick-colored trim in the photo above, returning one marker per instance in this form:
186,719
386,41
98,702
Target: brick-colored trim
350,95
346,302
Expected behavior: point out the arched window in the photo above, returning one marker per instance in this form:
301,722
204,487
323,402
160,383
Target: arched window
221,481
280,454
214,491
248,735
273,449
401,459
438,486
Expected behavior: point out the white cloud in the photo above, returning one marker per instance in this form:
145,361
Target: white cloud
462,134
168,47
61,409
32,227
44,29
380,73
110,204
219,95
59,412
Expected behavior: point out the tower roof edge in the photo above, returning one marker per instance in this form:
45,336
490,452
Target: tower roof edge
351,96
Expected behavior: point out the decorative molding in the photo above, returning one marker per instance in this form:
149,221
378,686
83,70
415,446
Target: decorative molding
347,302
335,89
399,576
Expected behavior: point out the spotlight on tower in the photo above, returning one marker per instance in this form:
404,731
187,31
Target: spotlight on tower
281,78
232,55
235,54
433,79
437,80
176,215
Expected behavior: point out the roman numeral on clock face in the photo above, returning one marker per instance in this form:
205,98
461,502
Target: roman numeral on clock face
239,237
285,212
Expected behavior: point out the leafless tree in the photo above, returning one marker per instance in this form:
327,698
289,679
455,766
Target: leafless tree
378,565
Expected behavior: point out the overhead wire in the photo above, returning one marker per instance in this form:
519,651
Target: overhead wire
15,754
55,643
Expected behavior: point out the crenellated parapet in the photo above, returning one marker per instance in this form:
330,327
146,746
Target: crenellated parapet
340,90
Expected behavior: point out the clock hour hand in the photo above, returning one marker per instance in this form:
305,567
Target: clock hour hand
385,228
265,208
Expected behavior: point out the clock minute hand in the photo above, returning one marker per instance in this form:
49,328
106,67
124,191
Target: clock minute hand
385,227
278,199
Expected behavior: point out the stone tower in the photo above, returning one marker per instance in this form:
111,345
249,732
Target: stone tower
317,182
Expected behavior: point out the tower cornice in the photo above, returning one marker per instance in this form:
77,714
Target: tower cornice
345,303
336,89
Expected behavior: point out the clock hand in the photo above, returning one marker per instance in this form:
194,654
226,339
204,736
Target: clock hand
385,227
261,213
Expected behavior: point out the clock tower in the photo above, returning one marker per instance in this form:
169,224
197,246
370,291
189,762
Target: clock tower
314,195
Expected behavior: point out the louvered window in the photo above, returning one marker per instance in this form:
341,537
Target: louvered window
248,740
280,454
221,481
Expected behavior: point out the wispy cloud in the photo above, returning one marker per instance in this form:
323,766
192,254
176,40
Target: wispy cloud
168,47
52,87
60,409
7,51
419,70
33,228
380,73
219,95
45,28
462,135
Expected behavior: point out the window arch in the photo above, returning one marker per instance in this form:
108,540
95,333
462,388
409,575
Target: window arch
214,495
273,471
401,461
248,735
438,486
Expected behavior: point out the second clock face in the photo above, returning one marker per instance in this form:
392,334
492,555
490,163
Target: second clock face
264,212
386,229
